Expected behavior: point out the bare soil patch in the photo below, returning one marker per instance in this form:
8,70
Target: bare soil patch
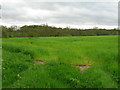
82,67
39,62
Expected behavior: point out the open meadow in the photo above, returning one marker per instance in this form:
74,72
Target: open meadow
60,62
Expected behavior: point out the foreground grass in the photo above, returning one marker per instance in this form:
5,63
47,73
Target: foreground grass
60,53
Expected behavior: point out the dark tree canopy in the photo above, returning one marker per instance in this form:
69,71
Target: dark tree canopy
48,31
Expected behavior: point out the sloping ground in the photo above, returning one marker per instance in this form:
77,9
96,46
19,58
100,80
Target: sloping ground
63,62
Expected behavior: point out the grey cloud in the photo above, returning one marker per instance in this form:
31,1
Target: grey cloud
61,13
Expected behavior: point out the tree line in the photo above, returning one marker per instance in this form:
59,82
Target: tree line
51,31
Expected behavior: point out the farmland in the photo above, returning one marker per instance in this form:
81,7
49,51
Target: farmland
54,62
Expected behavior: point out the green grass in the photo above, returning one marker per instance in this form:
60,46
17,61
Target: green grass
0,58
60,54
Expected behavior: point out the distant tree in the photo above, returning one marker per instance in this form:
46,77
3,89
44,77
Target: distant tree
45,31
95,28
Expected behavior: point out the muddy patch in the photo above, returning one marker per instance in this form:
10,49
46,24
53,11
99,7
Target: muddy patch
39,62
82,67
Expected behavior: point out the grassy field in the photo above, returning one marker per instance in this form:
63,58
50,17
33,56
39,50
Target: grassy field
59,58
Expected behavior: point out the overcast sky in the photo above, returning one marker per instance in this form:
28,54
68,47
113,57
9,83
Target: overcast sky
73,14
